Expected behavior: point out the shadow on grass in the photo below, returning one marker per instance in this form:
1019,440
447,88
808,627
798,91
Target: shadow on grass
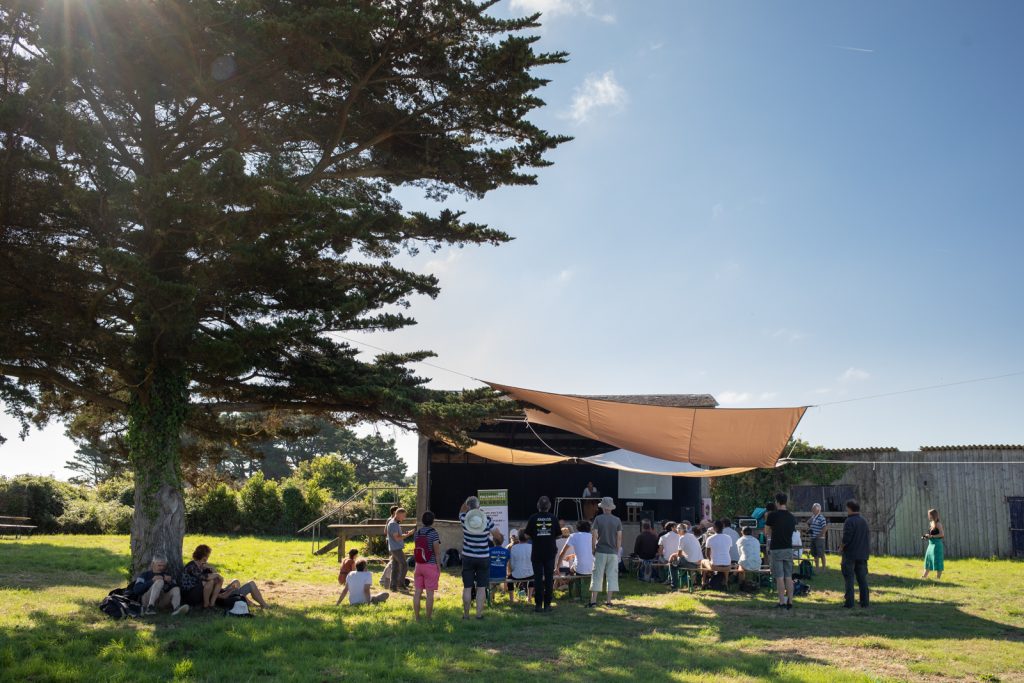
44,565
381,643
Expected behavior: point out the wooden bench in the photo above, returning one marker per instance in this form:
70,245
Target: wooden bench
15,526
573,588
347,531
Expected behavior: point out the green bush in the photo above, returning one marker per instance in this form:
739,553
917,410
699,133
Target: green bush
119,489
115,518
90,516
212,509
260,506
41,499
297,511
80,517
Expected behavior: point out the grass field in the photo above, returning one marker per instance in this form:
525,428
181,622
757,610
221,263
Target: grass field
969,626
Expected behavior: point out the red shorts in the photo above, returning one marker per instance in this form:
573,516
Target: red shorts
426,576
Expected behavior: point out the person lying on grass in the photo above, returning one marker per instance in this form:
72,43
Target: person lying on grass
357,587
155,588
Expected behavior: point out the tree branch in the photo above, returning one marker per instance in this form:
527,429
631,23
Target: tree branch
45,375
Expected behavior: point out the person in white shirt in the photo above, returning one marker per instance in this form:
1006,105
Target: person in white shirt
357,587
718,547
580,544
749,549
688,556
668,544
520,567
590,491
734,537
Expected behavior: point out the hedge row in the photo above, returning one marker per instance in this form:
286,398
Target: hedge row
258,507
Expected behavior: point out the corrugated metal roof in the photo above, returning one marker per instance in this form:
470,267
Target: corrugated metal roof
868,449
978,447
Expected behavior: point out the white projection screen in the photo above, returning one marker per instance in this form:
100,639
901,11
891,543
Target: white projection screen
633,485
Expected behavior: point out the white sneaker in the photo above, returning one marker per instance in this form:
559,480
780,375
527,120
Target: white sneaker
181,610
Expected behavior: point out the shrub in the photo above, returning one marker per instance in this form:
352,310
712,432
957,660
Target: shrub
212,509
115,518
91,516
41,499
297,511
80,517
259,503
119,489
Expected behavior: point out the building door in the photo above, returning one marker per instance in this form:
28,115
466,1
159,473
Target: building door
1016,524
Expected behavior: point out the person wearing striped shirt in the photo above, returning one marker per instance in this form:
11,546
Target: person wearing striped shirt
477,529
819,530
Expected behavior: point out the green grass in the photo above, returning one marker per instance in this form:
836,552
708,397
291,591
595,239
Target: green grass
968,626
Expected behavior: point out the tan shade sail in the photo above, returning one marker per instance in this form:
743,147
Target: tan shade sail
617,459
716,437
510,456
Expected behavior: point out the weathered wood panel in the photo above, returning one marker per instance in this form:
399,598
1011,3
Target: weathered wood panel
971,499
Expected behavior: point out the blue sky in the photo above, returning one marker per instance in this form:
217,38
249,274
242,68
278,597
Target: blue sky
779,204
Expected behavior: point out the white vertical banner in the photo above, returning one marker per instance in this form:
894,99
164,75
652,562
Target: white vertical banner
494,503
706,512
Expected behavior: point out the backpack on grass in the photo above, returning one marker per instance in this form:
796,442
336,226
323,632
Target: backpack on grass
118,605
800,588
451,558
806,569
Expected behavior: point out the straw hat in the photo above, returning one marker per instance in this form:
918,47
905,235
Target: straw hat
606,504
475,521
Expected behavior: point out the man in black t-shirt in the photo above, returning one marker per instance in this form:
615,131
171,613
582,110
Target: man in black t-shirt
780,525
543,530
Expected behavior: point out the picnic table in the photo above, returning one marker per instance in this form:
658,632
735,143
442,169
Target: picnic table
15,525
347,531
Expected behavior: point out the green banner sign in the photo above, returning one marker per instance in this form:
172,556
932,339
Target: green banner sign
493,497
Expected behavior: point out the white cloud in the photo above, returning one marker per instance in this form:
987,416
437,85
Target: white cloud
597,92
554,8
564,276
717,211
822,391
734,397
787,334
767,395
437,266
853,374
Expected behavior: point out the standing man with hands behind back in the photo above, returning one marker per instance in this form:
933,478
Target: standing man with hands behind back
780,525
542,530
856,548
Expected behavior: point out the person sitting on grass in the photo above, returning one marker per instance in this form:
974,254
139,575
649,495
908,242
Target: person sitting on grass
347,567
200,584
427,554
357,587
750,553
718,546
214,589
155,588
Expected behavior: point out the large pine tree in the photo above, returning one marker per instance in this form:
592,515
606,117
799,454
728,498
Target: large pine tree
195,193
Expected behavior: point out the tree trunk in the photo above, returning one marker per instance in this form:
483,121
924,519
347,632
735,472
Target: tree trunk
156,415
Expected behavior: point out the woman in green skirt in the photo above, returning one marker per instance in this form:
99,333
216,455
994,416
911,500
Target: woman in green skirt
934,556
